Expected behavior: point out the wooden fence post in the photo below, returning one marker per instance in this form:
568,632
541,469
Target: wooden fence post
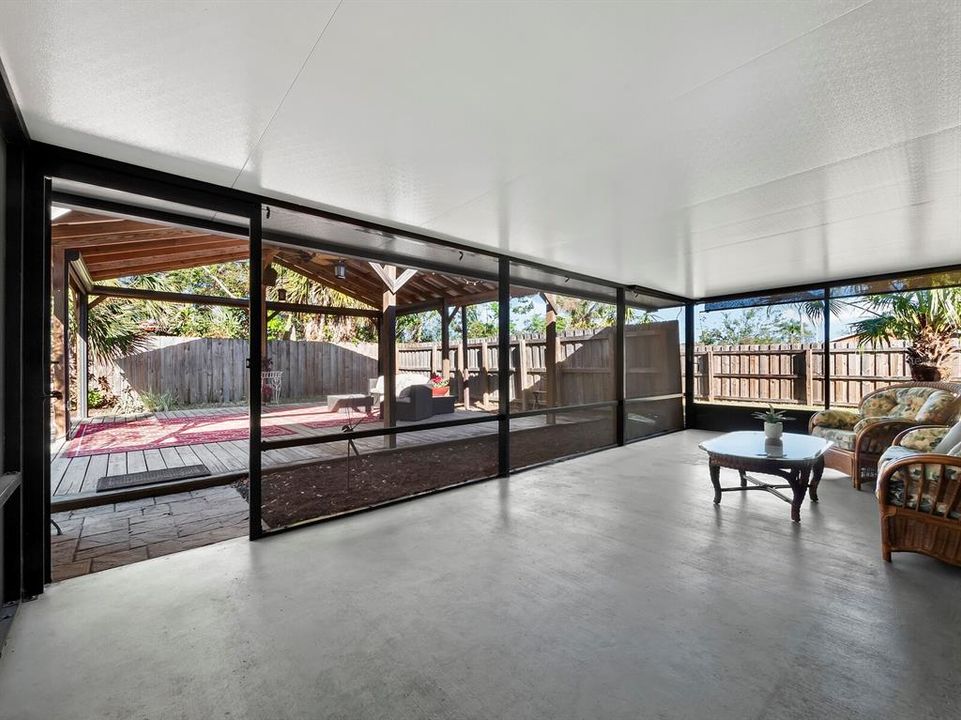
808,370
522,372
709,374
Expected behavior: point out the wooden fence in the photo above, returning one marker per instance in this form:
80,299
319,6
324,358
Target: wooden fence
195,371
794,373
212,371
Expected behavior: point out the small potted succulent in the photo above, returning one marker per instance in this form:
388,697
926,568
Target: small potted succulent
439,386
773,422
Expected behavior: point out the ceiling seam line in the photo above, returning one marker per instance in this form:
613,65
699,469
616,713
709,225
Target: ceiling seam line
768,52
283,99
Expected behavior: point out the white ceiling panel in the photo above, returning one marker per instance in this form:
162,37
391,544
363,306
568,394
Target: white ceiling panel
694,147
182,86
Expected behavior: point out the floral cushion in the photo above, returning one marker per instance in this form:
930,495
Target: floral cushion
910,402
939,408
842,419
879,404
923,439
930,498
843,439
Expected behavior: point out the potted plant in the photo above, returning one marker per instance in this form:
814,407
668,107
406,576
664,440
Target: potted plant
928,321
773,422
439,386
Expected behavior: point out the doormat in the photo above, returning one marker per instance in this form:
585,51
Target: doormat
150,477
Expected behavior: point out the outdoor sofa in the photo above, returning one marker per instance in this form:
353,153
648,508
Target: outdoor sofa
861,436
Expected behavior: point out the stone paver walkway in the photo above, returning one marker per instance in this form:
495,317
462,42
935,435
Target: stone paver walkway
108,536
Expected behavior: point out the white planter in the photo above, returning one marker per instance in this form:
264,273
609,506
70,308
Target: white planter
773,431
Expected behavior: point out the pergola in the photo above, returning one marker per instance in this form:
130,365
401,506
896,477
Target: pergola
89,249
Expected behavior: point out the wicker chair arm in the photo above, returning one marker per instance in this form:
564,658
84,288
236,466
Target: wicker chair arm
891,469
900,436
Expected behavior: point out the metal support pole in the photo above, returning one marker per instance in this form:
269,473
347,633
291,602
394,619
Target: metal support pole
826,356
503,364
690,413
254,362
619,379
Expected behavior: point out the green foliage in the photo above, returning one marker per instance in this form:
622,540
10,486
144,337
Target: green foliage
771,415
753,326
114,329
97,398
928,320
157,401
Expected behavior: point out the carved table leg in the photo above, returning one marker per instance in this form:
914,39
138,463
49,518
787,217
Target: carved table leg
799,484
816,478
716,481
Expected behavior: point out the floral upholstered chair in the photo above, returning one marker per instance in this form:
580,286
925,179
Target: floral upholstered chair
919,493
860,436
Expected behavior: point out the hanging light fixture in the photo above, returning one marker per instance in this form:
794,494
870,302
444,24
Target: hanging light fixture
340,270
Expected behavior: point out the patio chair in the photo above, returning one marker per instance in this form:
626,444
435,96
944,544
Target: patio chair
861,436
919,494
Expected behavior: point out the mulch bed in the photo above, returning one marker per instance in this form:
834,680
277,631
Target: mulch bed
312,490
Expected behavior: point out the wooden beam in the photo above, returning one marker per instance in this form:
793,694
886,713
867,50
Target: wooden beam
83,360
142,267
80,274
60,344
445,341
102,253
388,274
120,239
465,371
550,353
188,299
388,349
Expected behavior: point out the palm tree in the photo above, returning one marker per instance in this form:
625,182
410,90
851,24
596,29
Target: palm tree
114,329
927,320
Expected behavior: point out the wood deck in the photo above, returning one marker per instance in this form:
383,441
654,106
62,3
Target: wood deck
71,476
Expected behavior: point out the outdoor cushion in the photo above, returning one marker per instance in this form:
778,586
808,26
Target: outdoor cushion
950,439
940,407
926,439
879,404
843,419
843,439
895,452
910,401
932,472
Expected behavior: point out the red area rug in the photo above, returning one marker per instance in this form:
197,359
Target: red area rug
155,433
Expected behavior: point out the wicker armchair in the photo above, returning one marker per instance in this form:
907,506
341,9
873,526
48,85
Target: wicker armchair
861,436
919,495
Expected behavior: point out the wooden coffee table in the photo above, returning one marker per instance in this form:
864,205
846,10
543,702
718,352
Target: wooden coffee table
799,459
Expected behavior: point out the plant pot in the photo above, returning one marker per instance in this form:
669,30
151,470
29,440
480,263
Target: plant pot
440,391
773,431
927,373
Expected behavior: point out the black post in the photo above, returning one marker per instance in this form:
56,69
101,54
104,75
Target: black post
503,364
35,389
12,559
826,355
254,362
619,379
690,413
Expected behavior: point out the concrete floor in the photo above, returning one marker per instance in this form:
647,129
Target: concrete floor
605,587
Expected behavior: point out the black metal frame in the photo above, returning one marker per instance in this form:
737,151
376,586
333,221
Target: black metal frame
45,162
